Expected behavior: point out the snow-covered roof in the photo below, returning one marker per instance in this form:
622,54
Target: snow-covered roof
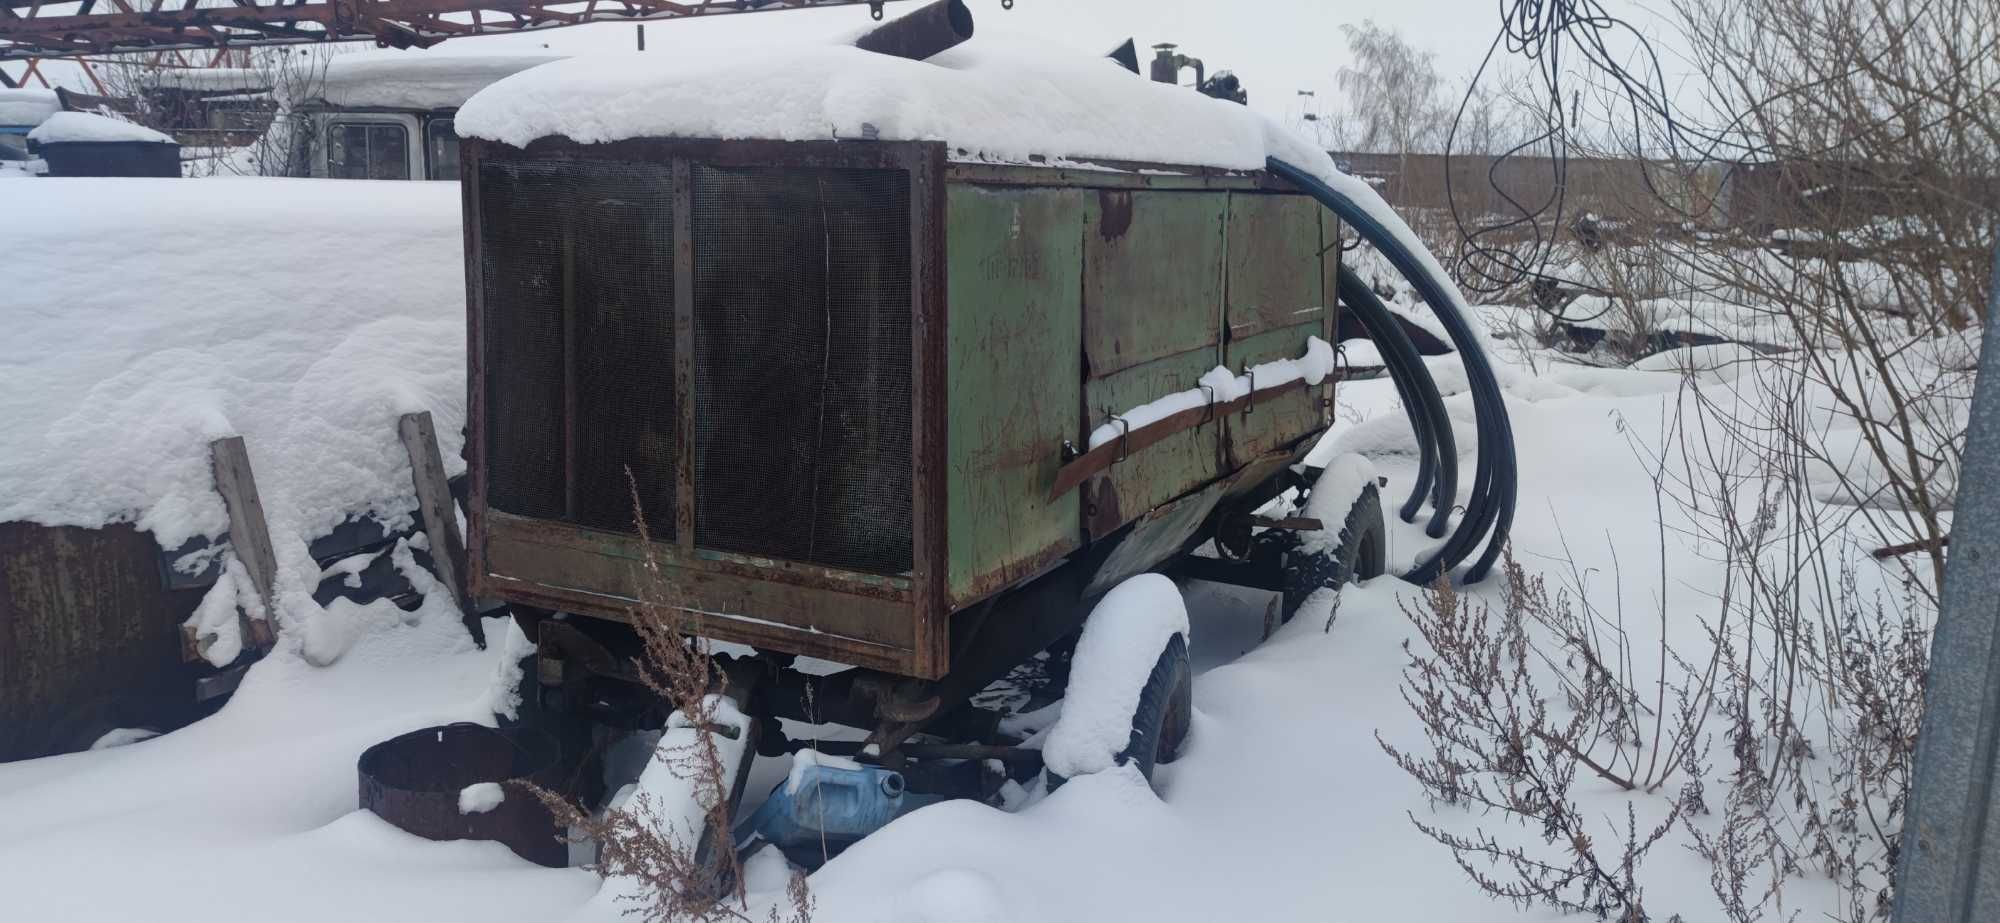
84,126
413,80
147,317
233,79
27,107
996,97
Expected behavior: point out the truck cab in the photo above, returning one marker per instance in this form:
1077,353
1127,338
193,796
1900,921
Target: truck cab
391,118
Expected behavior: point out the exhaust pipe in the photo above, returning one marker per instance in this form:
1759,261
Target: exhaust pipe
931,29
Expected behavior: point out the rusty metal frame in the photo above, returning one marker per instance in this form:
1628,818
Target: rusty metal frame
70,28
812,603
1097,173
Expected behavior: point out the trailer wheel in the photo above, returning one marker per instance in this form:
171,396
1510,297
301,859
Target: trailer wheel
1160,719
1336,555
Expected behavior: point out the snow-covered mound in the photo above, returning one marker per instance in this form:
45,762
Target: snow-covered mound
147,317
65,127
23,106
995,97
406,81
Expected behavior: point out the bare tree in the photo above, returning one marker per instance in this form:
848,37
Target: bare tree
1394,92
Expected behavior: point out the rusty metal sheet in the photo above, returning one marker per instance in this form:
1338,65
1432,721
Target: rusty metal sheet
85,623
1013,260
1152,276
1284,419
1276,278
1172,467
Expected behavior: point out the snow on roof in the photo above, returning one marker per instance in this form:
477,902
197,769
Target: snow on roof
65,127
303,315
413,80
232,79
27,107
996,97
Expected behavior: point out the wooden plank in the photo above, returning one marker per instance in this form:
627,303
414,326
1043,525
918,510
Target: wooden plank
249,535
598,573
684,431
435,507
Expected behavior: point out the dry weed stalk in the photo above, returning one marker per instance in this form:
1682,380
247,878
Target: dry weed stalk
684,874
1497,745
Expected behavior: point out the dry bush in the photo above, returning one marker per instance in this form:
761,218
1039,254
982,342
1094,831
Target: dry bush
1498,745
684,874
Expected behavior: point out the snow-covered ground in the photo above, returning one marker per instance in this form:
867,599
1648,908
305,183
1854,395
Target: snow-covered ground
1283,806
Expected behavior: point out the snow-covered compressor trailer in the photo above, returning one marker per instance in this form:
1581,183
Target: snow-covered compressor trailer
891,405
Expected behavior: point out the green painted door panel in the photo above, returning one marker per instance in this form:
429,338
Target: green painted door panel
1152,276
1167,469
1276,297
1013,265
1275,275
1280,420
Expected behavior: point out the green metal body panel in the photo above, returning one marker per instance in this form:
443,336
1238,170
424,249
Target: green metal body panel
1014,346
1178,464
1152,285
1274,250
1152,312
1279,421
1277,298
1104,300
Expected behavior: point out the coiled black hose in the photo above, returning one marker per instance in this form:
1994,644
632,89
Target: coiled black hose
1489,513
1437,447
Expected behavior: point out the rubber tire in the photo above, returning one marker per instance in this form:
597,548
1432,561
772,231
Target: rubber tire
1164,714
1359,554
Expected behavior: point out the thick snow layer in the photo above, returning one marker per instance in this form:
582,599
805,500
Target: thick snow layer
996,97
1218,385
64,127
411,81
148,317
1122,640
23,106
1342,482
1282,807
211,78
480,797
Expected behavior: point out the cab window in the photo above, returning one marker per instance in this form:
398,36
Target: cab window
441,139
367,150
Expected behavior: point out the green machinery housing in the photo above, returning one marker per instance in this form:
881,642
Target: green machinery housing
851,384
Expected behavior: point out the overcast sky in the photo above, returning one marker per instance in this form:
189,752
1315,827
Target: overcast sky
1277,47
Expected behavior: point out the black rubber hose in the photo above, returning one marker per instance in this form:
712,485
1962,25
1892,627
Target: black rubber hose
1390,340
1495,478
1437,467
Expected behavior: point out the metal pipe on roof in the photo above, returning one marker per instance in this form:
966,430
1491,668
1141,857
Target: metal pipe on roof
931,29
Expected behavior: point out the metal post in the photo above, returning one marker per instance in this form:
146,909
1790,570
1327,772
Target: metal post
1946,874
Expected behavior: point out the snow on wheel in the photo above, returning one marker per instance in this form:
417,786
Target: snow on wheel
1130,693
1348,547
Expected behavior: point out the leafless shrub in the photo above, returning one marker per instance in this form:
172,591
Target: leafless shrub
685,874
1498,745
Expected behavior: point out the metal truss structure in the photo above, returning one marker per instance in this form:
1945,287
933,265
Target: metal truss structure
33,29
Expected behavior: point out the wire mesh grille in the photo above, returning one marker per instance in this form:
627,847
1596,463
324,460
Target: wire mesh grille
802,365
578,258
521,209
